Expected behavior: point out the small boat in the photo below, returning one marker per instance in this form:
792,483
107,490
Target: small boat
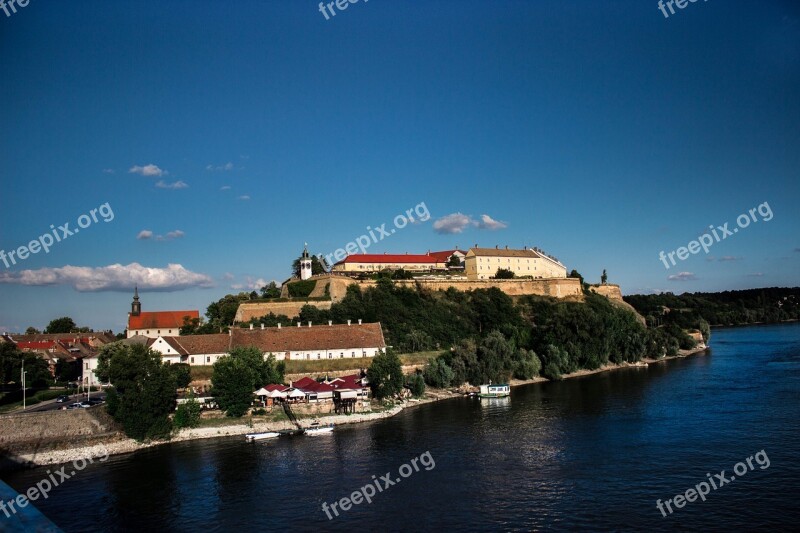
260,436
499,390
317,429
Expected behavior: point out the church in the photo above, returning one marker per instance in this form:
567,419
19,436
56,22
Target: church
154,324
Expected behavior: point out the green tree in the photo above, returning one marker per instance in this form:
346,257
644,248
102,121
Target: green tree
241,372
61,325
385,375
438,374
454,262
504,273
528,364
603,277
187,415
416,384
576,274
143,394
317,266
36,369
32,331
271,290
182,373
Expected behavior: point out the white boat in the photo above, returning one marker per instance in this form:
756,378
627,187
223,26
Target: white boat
500,390
259,436
318,430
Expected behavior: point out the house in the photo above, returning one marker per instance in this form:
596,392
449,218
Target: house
192,349
156,323
483,263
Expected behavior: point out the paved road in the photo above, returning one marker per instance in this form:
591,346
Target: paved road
52,405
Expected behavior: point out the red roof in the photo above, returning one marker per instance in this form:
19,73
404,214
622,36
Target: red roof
303,383
36,345
160,319
273,387
388,258
347,382
444,256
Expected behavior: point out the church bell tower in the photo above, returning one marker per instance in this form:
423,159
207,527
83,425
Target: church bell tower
136,306
305,264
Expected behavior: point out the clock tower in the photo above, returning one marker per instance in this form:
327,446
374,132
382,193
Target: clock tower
305,264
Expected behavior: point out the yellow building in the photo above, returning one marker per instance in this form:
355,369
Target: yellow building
482,263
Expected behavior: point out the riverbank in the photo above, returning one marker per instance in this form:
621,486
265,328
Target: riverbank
117,446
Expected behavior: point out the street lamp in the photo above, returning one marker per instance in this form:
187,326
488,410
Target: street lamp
24,372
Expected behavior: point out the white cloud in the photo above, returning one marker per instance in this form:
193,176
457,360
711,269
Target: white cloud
228,276
457,222
226,166
161,184
682,276
225,188
489,223
452,223
148,170
115,277
244,197
108,171
251,284
146,234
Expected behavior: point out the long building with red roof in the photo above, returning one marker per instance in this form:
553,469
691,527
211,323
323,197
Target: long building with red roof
364,263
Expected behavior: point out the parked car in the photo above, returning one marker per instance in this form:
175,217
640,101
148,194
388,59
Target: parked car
62,399
85,404
75,405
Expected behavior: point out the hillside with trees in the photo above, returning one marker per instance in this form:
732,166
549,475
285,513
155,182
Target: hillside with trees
727,308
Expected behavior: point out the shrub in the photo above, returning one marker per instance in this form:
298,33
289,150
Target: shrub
551,372
187,414
438,374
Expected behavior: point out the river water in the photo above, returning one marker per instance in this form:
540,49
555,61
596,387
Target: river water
592,453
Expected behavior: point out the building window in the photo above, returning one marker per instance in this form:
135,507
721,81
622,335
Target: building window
191,360
208,359
159,332
354,354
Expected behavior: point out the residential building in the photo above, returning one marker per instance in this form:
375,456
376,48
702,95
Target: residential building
483,263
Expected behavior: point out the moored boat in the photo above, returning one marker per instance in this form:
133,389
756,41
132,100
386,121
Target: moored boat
260,436
317,429
498,390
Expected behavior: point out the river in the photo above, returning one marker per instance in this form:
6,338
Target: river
591,453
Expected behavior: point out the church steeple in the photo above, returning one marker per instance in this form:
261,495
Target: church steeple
305,264
136,306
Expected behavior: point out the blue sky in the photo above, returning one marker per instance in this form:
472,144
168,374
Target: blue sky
234,132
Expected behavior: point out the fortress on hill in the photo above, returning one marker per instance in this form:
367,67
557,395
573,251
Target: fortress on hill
535,273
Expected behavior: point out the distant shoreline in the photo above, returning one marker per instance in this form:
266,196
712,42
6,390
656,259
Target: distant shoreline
724,326
119,446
